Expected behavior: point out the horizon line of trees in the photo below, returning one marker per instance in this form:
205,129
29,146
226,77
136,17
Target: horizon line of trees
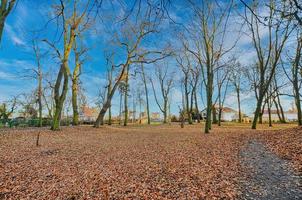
202,63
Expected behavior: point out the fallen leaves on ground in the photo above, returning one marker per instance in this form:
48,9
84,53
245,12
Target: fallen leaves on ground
286,143
162,162
147,162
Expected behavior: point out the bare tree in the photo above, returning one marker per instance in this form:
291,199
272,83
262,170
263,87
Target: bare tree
39,77
71,21
296,66
295,76
144,79
194,82
79,51
236,78
222,77
268,50
185,66
208,34
131,39
126,91
165,80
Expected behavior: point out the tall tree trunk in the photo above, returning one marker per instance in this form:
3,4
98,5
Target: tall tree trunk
75,86
121,107
133,109
196,107
258,111
261,113
239,105
269,111
108,92
75,118
295,79
40,97
219,116
298,103
215,121
208,124
109,116
165,110
187,102
146,94
126,98
100,119
278,110
281,109
60,98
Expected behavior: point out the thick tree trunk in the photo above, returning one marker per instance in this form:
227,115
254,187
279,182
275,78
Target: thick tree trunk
165,110
208,124
257,112
100,119
75,118
59,98
298,105
297,96
208,119
215,121
219,116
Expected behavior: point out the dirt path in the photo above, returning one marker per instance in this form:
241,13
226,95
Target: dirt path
268,176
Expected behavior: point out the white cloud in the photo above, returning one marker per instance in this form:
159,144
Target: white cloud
5,76
13,36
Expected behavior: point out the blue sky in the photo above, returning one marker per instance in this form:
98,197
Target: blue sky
29,18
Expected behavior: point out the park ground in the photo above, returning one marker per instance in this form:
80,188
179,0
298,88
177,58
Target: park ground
152,162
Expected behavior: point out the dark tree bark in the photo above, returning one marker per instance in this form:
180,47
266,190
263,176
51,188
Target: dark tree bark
295,79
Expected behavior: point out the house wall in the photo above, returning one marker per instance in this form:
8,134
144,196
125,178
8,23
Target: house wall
265,117
228,116
291,116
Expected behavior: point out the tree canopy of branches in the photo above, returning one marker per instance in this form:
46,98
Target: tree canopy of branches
207,34
72,22
130,39
268,51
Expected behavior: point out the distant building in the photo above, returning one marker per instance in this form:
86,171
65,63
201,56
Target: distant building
274,116
228,114
155,116
291,114
87,114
